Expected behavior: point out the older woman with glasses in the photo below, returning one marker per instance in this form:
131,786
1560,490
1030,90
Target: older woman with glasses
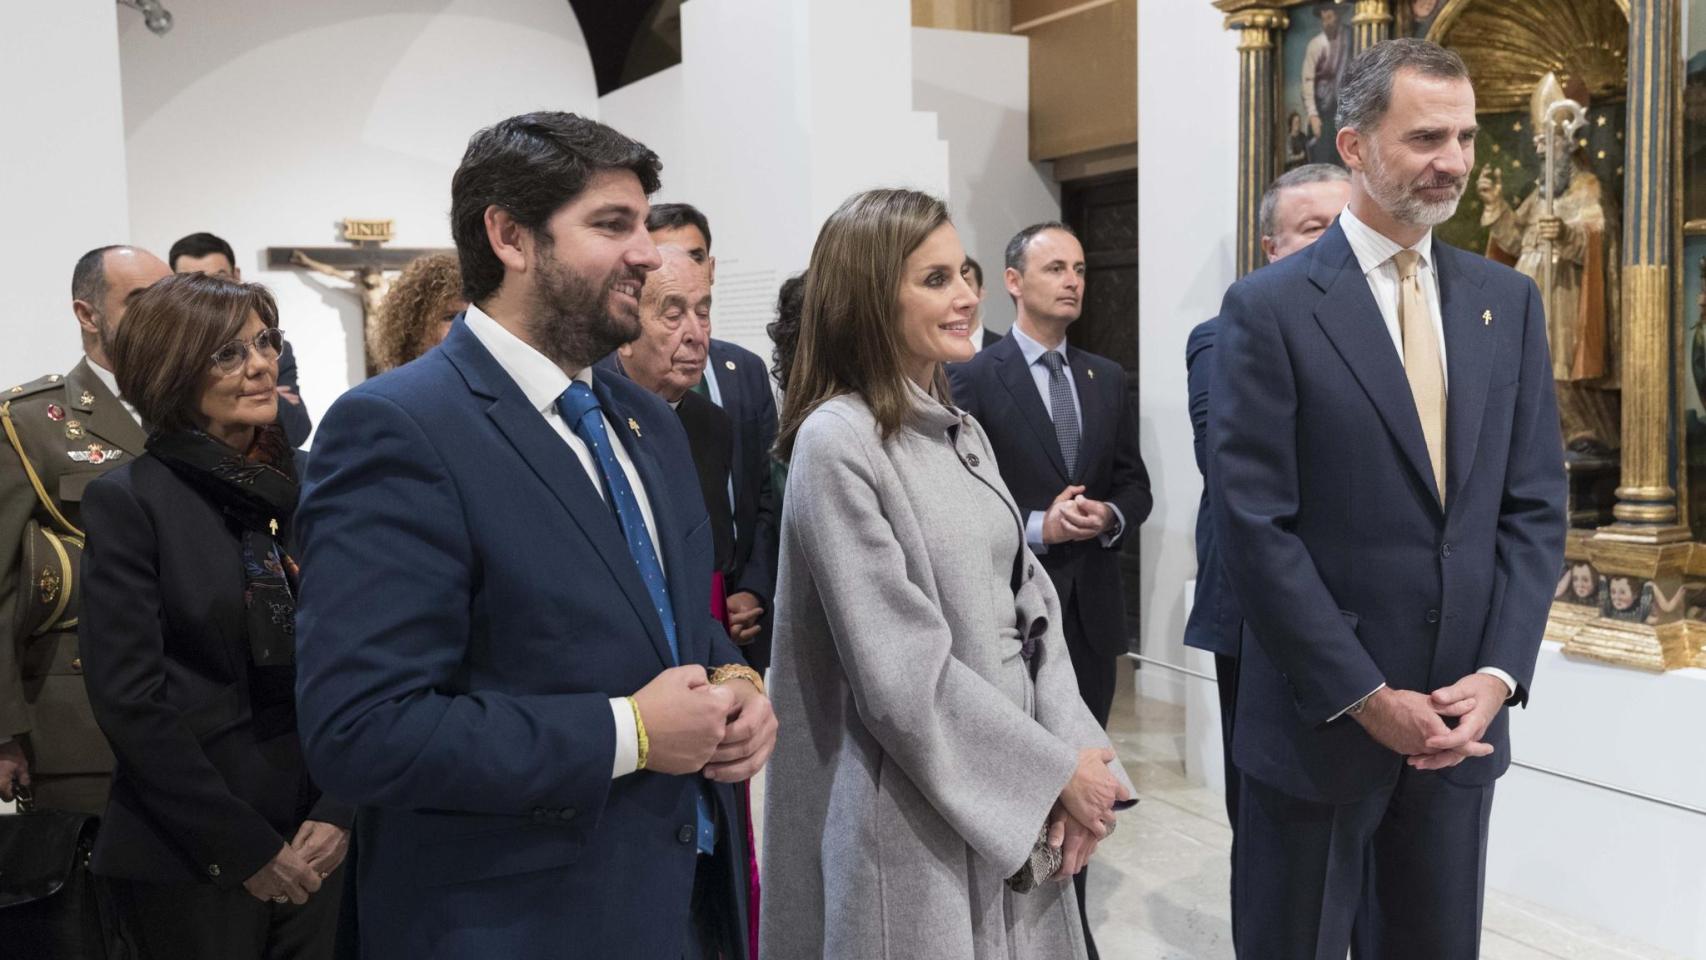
215,841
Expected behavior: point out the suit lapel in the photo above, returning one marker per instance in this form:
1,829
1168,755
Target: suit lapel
103,416
1469,355
1015,374
1093,414
671,547
1351,319
557,467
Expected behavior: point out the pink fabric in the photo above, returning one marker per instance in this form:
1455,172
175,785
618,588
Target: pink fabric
744,792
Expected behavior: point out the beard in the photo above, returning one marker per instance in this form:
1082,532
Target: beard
1402,200
571,319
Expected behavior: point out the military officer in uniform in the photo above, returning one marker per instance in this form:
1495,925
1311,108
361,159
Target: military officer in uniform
60,432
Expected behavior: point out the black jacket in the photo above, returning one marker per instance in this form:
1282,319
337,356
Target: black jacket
165,655
996,387
744,383
1215,620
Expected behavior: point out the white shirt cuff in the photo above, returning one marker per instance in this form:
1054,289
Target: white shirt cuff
1510,684
1353,703
627,739
1118,530
1034,533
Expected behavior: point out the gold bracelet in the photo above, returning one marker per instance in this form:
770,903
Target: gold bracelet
737,671
640,733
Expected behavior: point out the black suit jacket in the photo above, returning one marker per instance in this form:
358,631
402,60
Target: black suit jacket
165,657
996,387
990,338
293,417
710,437
1349,570
1215,618
744,383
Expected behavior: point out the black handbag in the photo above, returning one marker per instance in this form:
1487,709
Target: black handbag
51,906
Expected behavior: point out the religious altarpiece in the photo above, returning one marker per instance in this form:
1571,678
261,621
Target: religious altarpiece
1580,182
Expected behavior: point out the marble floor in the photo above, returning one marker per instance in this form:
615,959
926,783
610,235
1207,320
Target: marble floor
1158,887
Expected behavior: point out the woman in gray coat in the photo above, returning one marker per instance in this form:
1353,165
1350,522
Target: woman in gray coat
931,727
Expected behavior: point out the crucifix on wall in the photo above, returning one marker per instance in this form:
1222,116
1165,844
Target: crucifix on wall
364,266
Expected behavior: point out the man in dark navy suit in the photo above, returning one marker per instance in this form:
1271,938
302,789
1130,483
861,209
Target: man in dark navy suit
1296,209
1388,487
506,658
736,380
982,338
1061,427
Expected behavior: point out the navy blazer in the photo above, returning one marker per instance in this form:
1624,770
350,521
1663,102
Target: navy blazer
1349,571
468,608
293,417
749,402
1215,619
996,387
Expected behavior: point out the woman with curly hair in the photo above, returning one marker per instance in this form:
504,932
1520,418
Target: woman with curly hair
417,311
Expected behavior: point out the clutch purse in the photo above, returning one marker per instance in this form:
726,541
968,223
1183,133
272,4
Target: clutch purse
1044,861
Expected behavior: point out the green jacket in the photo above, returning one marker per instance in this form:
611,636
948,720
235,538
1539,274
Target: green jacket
72,429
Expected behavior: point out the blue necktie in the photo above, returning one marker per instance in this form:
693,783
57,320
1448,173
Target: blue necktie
580,408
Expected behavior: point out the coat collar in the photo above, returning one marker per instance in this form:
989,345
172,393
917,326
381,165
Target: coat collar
102,413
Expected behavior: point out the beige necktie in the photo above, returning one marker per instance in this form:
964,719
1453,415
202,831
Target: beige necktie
1422,364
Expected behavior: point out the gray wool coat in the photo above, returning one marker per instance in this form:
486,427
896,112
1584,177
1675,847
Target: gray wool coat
917,758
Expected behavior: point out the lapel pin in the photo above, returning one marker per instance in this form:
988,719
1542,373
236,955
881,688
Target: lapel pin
1486,318
73,429
634,425
87,399
729,364
272,526
1090,373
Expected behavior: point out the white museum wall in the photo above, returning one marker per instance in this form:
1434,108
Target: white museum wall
62,172
269,123
1187,215
978,86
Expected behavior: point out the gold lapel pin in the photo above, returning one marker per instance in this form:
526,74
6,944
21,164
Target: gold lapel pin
272,526
1486,318
87,399
634,425
1090,373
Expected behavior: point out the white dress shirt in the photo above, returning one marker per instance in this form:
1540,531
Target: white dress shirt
542,382
1033,353
1374,253
111,383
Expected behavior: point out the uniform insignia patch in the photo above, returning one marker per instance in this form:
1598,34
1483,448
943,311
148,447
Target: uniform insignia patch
55,412
95,453
73,429
87,399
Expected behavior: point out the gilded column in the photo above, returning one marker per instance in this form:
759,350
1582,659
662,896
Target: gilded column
1258,126
1646,507
1371,24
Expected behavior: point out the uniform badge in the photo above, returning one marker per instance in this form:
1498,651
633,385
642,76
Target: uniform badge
55,412
87,399
73,429
730,364
53,378
94,453
48,585
17,389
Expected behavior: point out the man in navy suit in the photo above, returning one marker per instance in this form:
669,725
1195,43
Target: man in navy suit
503,634
1388,487
1061,427
736,380
982,338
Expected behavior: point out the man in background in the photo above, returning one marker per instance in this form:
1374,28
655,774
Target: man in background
62,431
982,337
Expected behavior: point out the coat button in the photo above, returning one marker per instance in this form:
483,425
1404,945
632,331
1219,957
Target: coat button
971,459
213,869
566,814
686,833
1445,551
540,813
1432,616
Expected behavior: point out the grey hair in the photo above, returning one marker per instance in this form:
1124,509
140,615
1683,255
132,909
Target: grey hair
89,277
1308,173
1365,90
1015,253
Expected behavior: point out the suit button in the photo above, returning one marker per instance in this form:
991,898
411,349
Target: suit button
566,814
971,459
213,869
1432,616
1445,551
686,833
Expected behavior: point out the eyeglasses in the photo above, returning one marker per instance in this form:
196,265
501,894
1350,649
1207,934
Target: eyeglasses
231,357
